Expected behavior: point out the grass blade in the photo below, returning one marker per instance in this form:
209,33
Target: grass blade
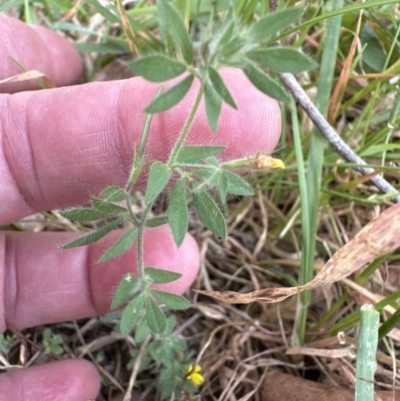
315,161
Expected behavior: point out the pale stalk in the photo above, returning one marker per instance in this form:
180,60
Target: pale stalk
185,129
140,239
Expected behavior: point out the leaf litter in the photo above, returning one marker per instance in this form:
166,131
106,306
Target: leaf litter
379,237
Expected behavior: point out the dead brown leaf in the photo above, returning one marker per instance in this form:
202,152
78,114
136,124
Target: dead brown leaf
28,76
280,386
379,237
340,87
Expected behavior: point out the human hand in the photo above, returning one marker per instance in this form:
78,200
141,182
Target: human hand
58,147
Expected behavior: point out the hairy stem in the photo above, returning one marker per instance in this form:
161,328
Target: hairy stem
138,163
140,261
185,129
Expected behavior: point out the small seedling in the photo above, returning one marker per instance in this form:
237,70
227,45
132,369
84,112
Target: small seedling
52,342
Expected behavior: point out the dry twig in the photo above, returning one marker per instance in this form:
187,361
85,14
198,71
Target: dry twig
332,136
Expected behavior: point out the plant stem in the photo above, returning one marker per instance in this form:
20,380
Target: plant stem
137,164
186,128
298,335
314,170
366,353
392,122
140,228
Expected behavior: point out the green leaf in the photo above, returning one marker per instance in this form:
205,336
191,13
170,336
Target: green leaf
159,352
221,183
113,194
70,27
102,48
158,67
389,324
173,301
178,344
166,384
92,237
155,317
204,174
379,148
107,207
83,214
160,276
170,98
105,11
227,30
220,87
195,154
213,106
142,331
274,22
131,313
160,174
179,32
162,23
237,185
282,59
264,83
111,316
177,212
156,221
373,53
171,323
127,287
121,246
209,214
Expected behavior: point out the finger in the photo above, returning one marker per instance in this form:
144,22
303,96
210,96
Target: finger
35,48
41,284
75,380
61,145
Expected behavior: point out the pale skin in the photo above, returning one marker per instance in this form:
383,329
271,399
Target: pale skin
57,148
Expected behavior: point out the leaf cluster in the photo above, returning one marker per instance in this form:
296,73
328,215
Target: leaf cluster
170,356
52,342
142,309
231,44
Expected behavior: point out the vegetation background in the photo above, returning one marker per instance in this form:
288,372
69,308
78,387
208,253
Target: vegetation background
238,344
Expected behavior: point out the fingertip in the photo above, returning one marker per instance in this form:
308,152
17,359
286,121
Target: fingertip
35,48
65,62
72,380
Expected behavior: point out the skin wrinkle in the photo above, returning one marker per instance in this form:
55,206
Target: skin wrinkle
3,282
10,172
10,282
89,284
37,182
124,136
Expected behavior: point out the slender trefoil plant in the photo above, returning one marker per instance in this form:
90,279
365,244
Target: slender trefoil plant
195,54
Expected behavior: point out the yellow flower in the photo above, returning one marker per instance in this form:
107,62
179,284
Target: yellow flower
194,375
265,163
